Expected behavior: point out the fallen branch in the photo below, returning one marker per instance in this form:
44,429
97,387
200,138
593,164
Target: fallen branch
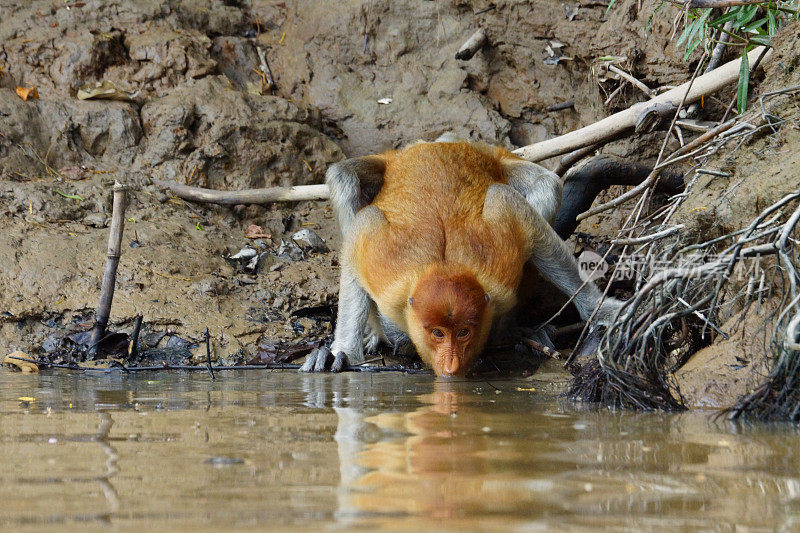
569,104
615,124
249,196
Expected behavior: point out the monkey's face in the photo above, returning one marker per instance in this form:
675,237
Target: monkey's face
451,348
449,321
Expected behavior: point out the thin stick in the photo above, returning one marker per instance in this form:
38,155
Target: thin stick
539,347
569,104
637,83
624,120
651,237
249,196
471,47
208,355
112,260
134,342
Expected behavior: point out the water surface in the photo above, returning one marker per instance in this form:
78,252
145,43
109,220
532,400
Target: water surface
173,451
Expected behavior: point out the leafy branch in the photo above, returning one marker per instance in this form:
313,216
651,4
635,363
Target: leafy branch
748,23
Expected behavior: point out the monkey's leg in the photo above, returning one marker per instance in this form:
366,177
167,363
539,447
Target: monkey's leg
540,187
549,254
354,183
582,184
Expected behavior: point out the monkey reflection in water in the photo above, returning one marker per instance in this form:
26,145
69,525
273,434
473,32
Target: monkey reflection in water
438,461
442,244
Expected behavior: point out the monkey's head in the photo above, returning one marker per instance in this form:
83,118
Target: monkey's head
449,319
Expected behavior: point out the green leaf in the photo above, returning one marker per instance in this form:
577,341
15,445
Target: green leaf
763,40
745,15
756,24
730,15
691,48
198,227
772,24
70,196
685,33
744,81
699,24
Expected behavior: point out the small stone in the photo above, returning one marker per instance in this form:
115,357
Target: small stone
290,251
95,220
309,241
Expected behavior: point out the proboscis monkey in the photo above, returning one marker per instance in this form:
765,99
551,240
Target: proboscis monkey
436,238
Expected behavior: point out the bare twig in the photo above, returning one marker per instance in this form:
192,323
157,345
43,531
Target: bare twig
637,83
539,347
651,236
208,355
569,104
133,345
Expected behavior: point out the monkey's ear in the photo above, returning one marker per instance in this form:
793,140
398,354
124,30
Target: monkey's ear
487,297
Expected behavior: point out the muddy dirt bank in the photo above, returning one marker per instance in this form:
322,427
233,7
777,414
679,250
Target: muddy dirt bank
350,80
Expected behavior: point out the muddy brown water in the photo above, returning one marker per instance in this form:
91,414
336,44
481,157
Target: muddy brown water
265,450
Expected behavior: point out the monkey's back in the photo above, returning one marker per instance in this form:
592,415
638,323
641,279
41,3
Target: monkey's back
432,197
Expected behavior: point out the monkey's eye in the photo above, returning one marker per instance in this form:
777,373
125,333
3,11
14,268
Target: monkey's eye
438,333
463,333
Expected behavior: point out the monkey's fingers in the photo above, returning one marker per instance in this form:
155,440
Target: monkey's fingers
339,362
371,342
316,360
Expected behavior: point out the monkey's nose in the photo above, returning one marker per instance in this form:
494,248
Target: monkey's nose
451,364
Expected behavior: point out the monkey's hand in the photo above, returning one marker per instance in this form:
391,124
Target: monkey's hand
317,361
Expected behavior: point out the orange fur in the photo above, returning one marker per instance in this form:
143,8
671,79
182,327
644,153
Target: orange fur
438,249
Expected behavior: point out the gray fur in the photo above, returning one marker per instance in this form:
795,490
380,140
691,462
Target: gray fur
551,255
534,195
448,137
354,183
540,187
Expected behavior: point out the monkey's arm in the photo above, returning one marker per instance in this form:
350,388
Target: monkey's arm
353,183
354,302
549,254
